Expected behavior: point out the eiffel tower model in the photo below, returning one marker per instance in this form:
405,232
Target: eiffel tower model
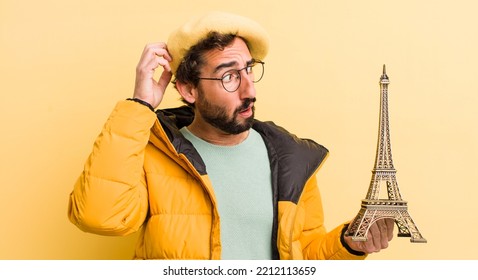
373,207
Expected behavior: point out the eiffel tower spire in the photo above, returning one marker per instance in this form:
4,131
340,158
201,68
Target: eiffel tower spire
383,159
376,206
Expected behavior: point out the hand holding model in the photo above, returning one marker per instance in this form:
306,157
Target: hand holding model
379,235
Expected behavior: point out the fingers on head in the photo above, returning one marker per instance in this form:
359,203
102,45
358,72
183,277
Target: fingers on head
157,49
151,61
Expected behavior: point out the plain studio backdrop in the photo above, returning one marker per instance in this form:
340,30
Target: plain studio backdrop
65,64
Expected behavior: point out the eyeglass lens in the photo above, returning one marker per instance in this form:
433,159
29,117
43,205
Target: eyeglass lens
231,80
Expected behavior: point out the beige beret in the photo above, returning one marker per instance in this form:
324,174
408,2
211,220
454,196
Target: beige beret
196,29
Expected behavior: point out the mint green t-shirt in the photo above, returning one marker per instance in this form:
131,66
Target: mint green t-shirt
241,178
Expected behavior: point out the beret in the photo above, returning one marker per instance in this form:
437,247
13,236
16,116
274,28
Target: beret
196,29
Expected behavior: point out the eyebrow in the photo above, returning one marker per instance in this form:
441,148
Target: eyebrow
230,64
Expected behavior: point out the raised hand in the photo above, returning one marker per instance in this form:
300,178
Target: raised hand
146,87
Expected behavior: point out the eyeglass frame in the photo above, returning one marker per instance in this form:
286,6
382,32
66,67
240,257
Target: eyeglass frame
251,64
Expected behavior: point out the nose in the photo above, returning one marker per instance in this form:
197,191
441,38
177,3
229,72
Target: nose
246,88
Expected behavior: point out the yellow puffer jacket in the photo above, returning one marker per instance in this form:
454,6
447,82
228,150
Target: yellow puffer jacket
143,174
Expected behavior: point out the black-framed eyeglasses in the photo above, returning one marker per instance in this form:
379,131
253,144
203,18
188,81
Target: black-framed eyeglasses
231,80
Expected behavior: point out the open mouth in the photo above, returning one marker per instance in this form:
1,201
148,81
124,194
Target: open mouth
247,110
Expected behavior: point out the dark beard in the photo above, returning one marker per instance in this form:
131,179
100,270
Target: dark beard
217,116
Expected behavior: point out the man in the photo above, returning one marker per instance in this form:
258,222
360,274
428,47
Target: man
207,180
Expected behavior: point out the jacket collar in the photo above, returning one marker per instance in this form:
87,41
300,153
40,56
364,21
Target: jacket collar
296,158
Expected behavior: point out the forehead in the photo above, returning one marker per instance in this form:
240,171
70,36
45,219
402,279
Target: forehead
235,54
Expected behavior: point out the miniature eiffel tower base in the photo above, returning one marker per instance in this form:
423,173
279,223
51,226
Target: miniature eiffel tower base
374,210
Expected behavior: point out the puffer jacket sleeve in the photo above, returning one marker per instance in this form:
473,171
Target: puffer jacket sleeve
318,244
110,196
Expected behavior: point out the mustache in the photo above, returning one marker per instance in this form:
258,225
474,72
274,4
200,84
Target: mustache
245,104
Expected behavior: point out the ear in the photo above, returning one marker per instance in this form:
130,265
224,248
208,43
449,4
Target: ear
187,91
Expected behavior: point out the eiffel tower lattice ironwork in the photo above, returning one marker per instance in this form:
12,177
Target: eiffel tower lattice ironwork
373,207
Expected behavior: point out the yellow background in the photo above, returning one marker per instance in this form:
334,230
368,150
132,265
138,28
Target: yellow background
65,64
